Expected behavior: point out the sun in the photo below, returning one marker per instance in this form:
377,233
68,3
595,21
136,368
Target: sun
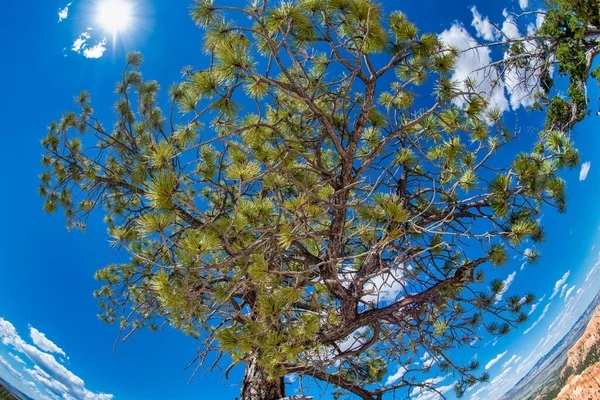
115,15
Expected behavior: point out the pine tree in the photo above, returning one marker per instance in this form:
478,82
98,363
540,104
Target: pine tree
563,47
313,203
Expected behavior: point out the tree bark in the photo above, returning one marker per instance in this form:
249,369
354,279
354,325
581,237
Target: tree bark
257,386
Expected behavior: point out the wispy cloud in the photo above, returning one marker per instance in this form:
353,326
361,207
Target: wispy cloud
485,29
495,360
536,305
512,359
585,169
497,383
17,358
539,319
64,12
557,329
10,368
592,272
563,290
427,394
505,285
559,284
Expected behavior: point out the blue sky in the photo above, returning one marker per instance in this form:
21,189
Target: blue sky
52,341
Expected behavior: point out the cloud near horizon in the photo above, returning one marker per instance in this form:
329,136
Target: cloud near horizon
47,371
539,319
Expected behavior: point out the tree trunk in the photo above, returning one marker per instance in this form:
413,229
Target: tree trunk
256,386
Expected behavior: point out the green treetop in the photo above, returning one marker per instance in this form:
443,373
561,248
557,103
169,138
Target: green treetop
564,45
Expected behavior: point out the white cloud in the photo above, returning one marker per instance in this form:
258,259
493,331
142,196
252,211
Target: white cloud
539,319
485,29
495,360
80,46
79,43
96,51
46,366
592,272
523,266
428,394
52,395
523,4
384,288
353,341
64,13
540,18
522,81
510,29
507,363
505,285
536,305
435,381
397,376
42,342
563,289
559,284
497,383
17,358
518,82
427,360
472,64
10,368
565,319
585,169
475,395
46,380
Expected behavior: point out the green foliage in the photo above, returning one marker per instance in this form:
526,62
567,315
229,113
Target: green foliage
294,175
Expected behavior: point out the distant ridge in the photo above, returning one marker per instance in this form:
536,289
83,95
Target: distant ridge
13,392
545,376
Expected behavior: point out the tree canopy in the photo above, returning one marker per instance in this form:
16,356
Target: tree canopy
315,202
562,47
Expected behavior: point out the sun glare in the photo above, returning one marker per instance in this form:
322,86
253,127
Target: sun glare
114,15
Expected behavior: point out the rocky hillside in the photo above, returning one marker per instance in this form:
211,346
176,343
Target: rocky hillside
9,392
586,348
581,376
583,386
567,367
